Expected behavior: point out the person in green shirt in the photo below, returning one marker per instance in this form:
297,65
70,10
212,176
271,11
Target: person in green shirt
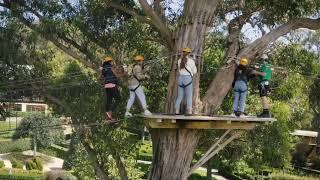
264,75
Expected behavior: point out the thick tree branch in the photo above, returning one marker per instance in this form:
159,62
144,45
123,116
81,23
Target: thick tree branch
131,12
54,40
152,19
260,44
157,22
99,170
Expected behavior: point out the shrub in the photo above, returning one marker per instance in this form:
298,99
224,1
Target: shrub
2,165
34,164
63,175
19,174
30,165
15,146
38,163
16,164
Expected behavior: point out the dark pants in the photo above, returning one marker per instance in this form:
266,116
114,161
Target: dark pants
113,98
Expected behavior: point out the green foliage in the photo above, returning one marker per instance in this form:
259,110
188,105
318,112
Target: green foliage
52,151
286,176
30,165
145,152
38,126
19,174
38,163
34,164
15,146
16,163
63,175
2,165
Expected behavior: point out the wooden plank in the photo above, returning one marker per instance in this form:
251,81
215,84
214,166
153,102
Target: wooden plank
199,125
209,118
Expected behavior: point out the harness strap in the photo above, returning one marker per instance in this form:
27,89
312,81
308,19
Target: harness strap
134,90
186,85
134,76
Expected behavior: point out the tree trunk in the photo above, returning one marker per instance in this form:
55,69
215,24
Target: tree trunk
172,151
35,147
173,148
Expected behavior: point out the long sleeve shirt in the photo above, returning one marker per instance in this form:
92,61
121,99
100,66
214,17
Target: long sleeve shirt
137,75
190,65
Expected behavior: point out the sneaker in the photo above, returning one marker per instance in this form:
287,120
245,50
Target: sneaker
147,112
233,115
128,114
242,116
265,114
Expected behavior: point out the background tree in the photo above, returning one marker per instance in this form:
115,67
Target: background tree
63,24
43,130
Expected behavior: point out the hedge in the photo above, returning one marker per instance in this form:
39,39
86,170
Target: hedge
15,146
19,174
63,175
34,164
16,163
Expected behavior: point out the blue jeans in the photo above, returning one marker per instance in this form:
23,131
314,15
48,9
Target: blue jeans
184,80
240,95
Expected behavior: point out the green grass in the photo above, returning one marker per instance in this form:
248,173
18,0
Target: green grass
285,176
5,126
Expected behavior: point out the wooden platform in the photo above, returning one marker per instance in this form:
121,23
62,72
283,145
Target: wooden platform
204,122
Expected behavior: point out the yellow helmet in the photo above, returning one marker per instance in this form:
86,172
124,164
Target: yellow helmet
139,58
244,61
188,50
108,58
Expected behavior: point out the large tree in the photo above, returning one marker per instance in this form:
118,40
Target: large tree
82,28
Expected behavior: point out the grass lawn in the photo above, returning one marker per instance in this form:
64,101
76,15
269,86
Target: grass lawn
285,176
4,126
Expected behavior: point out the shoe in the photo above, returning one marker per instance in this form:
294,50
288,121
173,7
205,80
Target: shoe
242,115
127,114
234,114
189,112
147,112
265,114
177,111
109,115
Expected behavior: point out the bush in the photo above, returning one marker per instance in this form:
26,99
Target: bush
2,165
63,175
34,164
30,165
15,146
19,174
38,163
16,164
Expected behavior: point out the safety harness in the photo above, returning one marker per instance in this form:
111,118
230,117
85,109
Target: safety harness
139,80
186,85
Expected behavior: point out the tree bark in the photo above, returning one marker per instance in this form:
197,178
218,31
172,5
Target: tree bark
173,148
172,151
99,170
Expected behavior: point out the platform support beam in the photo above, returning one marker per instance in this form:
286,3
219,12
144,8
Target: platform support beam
215,148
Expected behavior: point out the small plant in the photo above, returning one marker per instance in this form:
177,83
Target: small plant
30,165
2,165
38,163
34,164
16,164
